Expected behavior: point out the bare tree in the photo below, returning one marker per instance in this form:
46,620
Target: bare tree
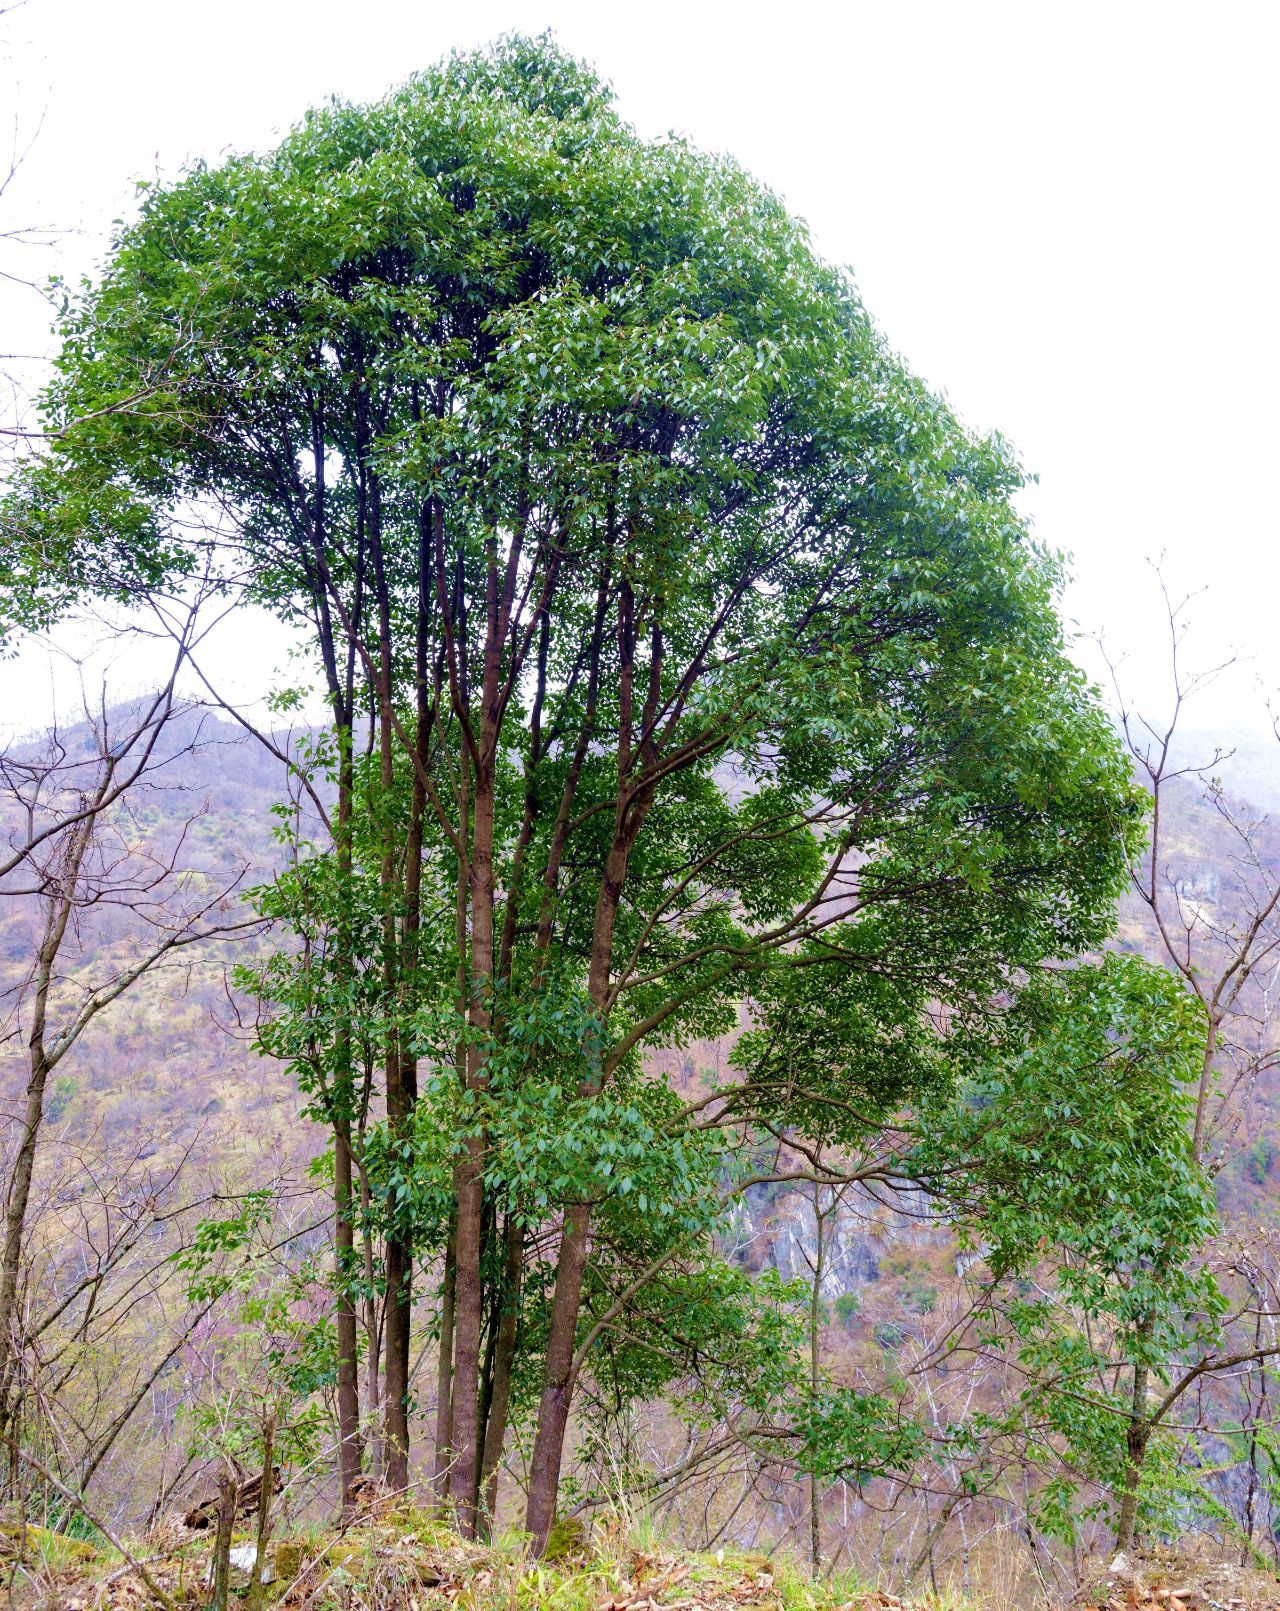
1218,928
106,898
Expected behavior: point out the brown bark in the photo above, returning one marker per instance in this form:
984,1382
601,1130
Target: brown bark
557,1387
486,1379
399,1250
468,1276
815,1361
220,1566
504,1359
372,1325
1137,1436
404,1089
444,1380
632,806
349,1450
254,1598
468,1320
444,1453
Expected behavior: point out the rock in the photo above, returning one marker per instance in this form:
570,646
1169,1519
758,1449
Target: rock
205,1514
41,1540
568,1537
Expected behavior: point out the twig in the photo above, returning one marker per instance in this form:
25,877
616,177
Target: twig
78,1500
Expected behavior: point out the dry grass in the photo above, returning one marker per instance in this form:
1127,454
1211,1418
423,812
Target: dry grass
398,1558
402,1559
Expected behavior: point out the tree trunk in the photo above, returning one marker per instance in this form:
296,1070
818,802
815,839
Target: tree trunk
372,1328
557,1388
486,1397
16,1212
58,907
566,1297
1137,1438
254,1598
349,1452
467,1323
444,1380
504,1358
220,1566
815,1322
399,1320
468,1274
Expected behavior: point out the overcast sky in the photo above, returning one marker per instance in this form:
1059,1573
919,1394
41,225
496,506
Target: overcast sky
1061,215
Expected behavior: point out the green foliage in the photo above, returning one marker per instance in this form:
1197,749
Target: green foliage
59,1098
1258,1158
793,651
921,1295
1070,1160
846,1307
219,1255
1091,1151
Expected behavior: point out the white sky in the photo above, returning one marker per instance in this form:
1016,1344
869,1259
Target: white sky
1062,215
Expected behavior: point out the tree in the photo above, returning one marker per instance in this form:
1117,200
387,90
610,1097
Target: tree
1224,951
98,880
720,660
1071,1161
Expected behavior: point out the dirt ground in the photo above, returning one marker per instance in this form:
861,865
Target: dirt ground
1178,1579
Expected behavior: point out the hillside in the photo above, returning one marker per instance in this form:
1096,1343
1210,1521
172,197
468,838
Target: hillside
396,1555
166,1087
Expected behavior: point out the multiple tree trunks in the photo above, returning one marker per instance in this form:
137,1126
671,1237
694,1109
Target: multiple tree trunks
589,476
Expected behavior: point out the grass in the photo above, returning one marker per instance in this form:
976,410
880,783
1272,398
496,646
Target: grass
397,1558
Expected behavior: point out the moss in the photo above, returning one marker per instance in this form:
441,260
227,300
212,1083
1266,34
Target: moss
568,1537
44,1541
287,1558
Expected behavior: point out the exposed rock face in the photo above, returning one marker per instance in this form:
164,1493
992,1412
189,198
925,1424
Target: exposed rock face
780,1232
1233,1483
850,1256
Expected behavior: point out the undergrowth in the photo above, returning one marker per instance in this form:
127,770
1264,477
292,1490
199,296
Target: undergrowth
397,1558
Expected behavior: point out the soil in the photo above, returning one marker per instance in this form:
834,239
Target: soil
1162,1578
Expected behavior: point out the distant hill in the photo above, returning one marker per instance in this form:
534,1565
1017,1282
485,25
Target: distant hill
171,1066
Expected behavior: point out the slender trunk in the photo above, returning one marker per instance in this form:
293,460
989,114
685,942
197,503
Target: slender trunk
340,682
57,915
815,1321
504,1359
557,1386
1137,1437
444,1461
444,1379
467,1323
220,1569
254,1598
372,1331
396,1338
16,1214
349,1459
399,1321
932,1535
486,1403
399,1244
468,1274
349,1453
566,1297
